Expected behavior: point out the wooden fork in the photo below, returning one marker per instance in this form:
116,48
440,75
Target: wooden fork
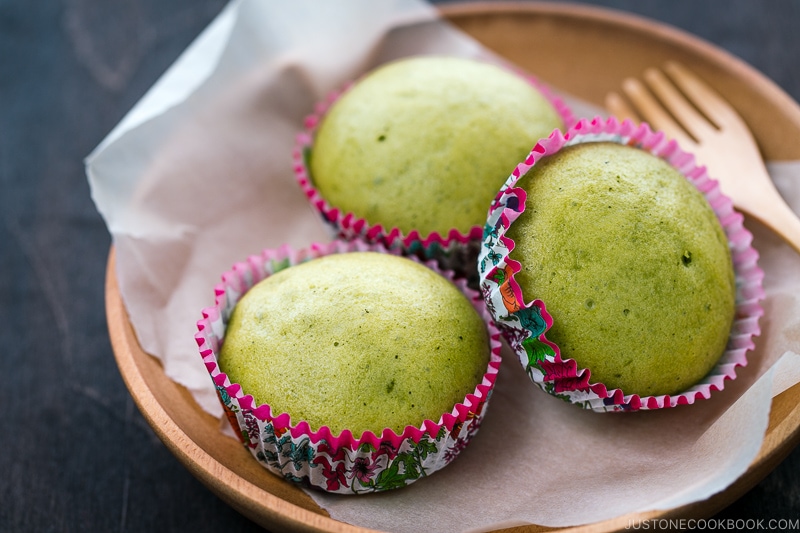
678,103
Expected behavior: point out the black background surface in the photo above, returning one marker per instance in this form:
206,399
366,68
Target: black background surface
75,453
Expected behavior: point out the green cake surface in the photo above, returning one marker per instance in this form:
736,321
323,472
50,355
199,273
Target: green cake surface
359,341
425,143
631,263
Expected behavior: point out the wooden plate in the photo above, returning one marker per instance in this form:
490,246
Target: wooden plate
585,51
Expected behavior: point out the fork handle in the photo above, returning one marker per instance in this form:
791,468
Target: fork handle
783,221
768,207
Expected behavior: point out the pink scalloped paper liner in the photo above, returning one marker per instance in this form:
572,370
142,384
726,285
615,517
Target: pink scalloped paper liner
318,458
453,251
524,324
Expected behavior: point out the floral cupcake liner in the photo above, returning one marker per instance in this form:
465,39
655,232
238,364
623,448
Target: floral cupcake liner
524,324
457,251
318,458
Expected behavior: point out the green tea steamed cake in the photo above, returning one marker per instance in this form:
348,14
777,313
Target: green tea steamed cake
424,143
631,263
359,341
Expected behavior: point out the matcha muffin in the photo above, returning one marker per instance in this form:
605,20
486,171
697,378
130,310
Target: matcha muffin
347,368
419,146
360,341
632,264
621,277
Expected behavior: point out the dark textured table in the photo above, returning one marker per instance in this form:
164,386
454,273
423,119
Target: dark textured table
75,454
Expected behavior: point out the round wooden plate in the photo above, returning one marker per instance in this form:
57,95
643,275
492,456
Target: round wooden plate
585,51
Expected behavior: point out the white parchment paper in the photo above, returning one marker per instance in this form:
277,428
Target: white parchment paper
198,176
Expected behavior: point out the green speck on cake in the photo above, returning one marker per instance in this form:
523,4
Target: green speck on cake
641,293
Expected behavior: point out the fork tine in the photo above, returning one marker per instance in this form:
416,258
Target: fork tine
707,100
695,124
652,111
620,108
